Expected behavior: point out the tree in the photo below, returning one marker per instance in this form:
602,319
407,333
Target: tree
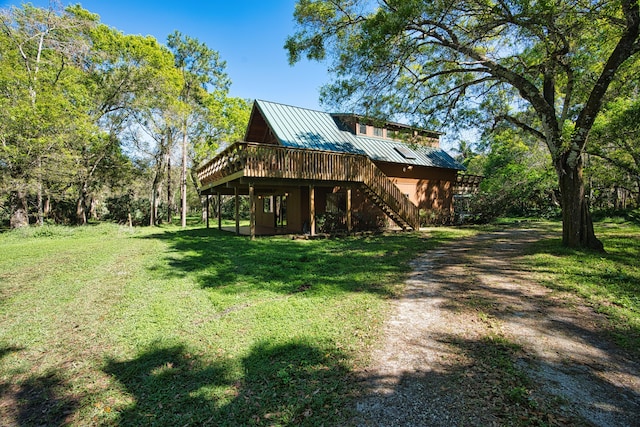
223,120
544,67
616,137
42,101
516,180
202,72
132,81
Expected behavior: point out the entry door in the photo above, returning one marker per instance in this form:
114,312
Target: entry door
280,210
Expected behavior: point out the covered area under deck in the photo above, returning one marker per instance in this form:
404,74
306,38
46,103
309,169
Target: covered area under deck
279,207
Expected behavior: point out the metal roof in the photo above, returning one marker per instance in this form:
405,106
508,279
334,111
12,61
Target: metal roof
303,128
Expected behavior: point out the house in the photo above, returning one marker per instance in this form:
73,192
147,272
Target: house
307,171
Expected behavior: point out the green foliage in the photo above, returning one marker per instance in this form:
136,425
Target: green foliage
614,163
126,209
229,207
543,68
86,110
517,179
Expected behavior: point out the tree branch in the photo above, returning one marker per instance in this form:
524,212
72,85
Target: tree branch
623,50
520,124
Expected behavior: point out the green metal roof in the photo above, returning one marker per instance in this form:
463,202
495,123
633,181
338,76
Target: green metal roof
315,130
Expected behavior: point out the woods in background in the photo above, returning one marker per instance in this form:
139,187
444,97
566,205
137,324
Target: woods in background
95,123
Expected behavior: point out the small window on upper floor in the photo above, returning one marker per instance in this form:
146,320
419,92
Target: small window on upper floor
378,132
363,129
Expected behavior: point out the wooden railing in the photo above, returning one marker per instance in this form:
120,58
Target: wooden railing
269,161
390,194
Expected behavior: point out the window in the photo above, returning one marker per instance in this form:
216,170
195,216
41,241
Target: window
363,129
405,152
377,132
268,204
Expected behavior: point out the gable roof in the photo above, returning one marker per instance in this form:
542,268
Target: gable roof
315,130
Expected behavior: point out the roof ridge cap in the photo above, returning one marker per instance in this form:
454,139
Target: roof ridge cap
291,106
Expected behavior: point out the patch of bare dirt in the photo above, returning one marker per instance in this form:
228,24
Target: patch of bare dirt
475,341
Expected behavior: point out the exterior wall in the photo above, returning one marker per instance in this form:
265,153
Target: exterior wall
428,188
393,131
431,189
266,220
365,214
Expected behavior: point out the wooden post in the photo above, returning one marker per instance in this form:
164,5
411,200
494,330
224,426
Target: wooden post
349,224
235,191
252,204
219,212
208,211
312,210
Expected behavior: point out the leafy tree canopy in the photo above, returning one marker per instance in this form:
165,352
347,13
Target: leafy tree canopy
544,67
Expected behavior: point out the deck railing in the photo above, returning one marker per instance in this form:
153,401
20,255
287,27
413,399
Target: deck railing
270,161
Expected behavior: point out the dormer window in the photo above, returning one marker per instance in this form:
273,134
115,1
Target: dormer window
363,129
378,132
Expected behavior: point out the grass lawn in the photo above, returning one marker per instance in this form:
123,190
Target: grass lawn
106,325
163,326
609,282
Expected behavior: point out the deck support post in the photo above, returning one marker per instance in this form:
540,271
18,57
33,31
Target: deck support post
252,209
219,211
312,210
349,223
235,192
208,210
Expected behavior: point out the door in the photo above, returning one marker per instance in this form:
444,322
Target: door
280,211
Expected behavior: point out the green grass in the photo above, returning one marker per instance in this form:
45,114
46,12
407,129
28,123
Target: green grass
106,325
609,282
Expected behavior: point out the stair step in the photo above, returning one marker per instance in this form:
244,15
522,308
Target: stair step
386,208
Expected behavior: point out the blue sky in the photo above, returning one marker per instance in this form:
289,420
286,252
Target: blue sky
248,34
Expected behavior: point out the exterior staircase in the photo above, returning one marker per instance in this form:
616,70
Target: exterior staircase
379,202
388,197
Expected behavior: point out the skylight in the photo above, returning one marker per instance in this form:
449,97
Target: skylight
405,152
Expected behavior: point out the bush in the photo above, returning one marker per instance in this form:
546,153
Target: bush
617,215
229,207
120,207
329,222
436,217
363,221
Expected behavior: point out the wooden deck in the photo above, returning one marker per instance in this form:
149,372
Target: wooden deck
250,160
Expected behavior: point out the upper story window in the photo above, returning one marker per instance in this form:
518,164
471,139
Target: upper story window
363,129
378,132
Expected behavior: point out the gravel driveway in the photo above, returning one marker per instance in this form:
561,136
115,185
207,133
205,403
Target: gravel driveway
474,341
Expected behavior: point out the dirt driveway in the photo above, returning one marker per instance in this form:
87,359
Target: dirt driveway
474,341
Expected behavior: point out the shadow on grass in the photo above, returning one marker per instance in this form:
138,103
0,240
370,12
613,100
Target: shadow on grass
295,383
491,377
613,276
44,400
498,382
221,260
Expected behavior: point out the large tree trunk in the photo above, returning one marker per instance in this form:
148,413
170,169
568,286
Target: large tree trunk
19,209
577,225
